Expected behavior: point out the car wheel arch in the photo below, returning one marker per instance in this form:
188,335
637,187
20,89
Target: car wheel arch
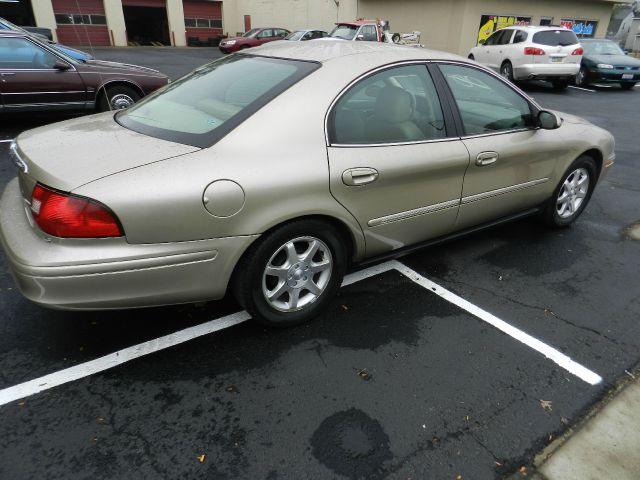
102,89
597,157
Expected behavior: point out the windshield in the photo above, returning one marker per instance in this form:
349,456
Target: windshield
251,33
346,32
602,48
555,38
295,35
202,107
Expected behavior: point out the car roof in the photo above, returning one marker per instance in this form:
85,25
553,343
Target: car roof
535,28
327,49
358,22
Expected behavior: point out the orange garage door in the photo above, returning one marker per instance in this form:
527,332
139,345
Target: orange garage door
81,23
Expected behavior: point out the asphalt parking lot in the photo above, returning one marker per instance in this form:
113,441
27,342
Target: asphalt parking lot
460,361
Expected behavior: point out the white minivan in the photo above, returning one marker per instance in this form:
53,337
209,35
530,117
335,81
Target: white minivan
532,53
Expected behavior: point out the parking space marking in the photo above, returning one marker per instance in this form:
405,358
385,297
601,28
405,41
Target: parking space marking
6,141
583,89
551,353
125,355
101,364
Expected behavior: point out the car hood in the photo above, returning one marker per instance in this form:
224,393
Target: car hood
617,60
70,154
115,67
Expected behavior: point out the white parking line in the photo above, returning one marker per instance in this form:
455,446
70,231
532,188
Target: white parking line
6,141
101,364
583,89
551,353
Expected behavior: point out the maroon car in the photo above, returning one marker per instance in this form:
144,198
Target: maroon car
34,76
252,38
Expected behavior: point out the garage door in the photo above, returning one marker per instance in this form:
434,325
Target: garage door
202,19
81,23
144,3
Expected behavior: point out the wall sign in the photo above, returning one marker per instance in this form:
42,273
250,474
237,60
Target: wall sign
582,28
491,23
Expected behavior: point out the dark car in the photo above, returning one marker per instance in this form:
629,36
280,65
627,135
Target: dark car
303,35
252,38
35,76
605,62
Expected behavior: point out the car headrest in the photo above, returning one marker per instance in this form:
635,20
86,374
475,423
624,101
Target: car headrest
394,105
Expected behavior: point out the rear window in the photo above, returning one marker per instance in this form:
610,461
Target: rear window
555,38
202,107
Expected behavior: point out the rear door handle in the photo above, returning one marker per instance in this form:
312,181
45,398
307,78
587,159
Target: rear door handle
7,74
359,176
486,158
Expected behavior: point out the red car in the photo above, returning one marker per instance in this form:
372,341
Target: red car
35,76
252,38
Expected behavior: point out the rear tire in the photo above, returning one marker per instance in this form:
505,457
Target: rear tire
292,274
471,57
627,86
506,70
560,85
117,97
572,194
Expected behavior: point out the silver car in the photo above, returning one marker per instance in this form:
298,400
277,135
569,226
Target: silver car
272,172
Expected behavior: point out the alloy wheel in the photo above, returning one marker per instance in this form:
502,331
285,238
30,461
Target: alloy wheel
297,274
572,193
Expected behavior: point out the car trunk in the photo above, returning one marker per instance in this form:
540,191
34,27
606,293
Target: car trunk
69,154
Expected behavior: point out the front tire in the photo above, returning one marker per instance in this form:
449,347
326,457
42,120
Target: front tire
117,97
292,274
572,194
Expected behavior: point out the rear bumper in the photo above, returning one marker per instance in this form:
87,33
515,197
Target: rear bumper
97,274
544,71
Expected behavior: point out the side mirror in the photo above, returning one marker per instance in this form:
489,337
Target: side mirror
62,66
482,42
548,120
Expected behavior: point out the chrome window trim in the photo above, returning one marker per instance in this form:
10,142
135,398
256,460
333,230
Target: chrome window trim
501,132
395,144
395,217
501,191
369,73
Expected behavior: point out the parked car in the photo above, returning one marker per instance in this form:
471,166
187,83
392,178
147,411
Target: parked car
532,53
71,52
36,76
605,62
252,38
302,35
359,30
198,190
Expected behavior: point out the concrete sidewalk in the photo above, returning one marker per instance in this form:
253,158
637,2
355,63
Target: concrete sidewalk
606,446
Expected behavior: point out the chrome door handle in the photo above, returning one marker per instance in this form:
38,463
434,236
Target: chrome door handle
7,74
486,158
359,176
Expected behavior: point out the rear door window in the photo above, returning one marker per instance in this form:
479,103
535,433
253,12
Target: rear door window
555,38
520,36
505,37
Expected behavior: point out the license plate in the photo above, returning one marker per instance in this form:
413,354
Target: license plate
627,76
556,59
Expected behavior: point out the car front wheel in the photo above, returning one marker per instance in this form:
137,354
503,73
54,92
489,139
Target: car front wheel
506,70
292,274
572,194
117,97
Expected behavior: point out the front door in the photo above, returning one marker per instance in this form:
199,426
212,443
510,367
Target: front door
394,162
511,161
33,78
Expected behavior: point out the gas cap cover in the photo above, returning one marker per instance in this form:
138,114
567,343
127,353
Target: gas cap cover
223,198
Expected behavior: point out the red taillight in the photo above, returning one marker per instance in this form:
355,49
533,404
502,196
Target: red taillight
533,51
578,51
63,215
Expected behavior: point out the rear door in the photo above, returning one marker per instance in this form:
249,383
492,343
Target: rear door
558,46
265,36
30,79
395,161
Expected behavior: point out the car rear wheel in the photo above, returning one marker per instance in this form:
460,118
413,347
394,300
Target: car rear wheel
292,274
627,86
506,70
117,97
471,57
581,78
572,194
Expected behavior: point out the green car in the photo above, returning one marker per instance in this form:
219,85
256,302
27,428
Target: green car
605,62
